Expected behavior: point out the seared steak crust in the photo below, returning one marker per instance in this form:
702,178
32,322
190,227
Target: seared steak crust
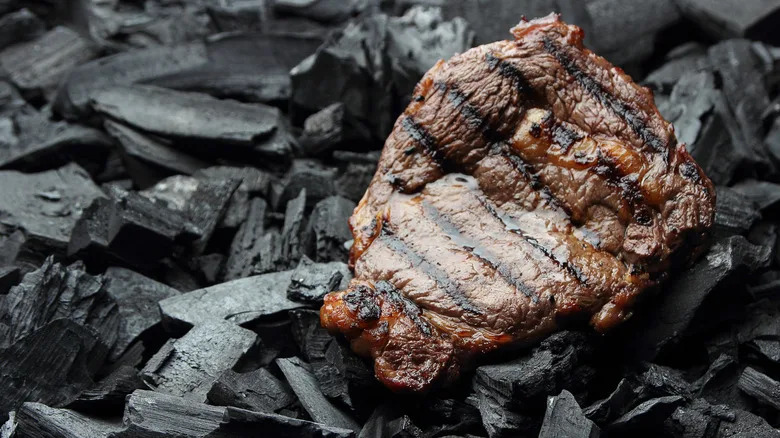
527,183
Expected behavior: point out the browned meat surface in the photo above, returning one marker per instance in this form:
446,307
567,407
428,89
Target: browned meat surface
529,183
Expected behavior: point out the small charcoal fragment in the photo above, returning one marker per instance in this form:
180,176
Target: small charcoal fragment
724,19
257,391
20,26
321,10
765,194
647,416
354,180
311,281
761,387
248,245
242,423
343,376
304,384
292,246
206,208
239,301
328,229
623,398
686,58
564,419
734,212
329,128
189,366
8,428
254,182
155,414
137,297
37,420
661,381
109,395
304,174
719,384
311,337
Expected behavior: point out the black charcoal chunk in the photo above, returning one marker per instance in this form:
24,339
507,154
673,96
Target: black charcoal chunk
9,277
661,381
239,301
682,298
137,297
53,292
291,247
329,128
8,428
564,419
761,387
36,420
312,339
354,180
687,58
343,376
724,19
508,390
321,10
328,229
109,395
238,15
206,207
307,174
248,245
764,193
700,419
747,424
312,281
20,26
254,182
189,366
39,65
719,384
243,423
618,402
734,212
155,414
304,384
647,416
52,365
760,330
196,117
257,391
44,208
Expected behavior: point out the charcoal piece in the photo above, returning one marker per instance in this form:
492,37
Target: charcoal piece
20,26
647,415
243,423
747,424
8,428
764,234
189,366
343,376
38,420
137,297
564,418
10,102
506,391
328,128
210,266
137,146
354,180
693,421
206,208
719,384
44,207
275,340
53,292
109,395
196,117
156,414
672,315
450,416
761,387
9,277
312,339
257,391
661,381
321,10
760,331
304,174
239,301
701,419
765,194
254,182
39,65
52,365
304,385
724,19
248,244
734,212
618,402
311,281
328,229
242,15
292,245
687,58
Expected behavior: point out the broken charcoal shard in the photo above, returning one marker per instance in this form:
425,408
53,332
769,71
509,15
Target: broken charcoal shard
311,281
52,365
155,414
761,387
243,423
564,419
254,182
343,376
764,193
647,416
321,10
291,247
312,339
354,180
724,19
329,128
719,384
304,385
258,391
304,174
206,208
36,420
328,229
137,298
193,116
238,301
248,15
39,65
8,428
189,366
686,58
734,212
20,26
247,246
625,396
109,395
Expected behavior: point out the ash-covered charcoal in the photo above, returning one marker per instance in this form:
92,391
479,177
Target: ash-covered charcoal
358,65
38,66
242,423
311,281
42,207
157,152
36,420
9,277
258,391
304,174
682,298
734,212
291,247
249,128
189,366
136,297
761,387
254,182
564,419
56,292
20,26
648,416
248,246
764,193
509,393
724,19
155,414
328,129
108,396
52,365
305,387
328,229
626,394
686,58
238,301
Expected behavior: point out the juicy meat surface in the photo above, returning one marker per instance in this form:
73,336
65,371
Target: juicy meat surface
528,184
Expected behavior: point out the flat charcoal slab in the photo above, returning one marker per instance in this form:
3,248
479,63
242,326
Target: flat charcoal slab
37,420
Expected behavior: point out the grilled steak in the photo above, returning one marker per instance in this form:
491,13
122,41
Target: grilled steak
528,184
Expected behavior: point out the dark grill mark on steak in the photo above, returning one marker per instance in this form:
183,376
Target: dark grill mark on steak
564,137
403,305
362,301
435,273
469,111
620,108
424,139
628,184
509,71
476,249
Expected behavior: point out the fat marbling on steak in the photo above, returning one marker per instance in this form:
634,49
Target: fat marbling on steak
528,184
